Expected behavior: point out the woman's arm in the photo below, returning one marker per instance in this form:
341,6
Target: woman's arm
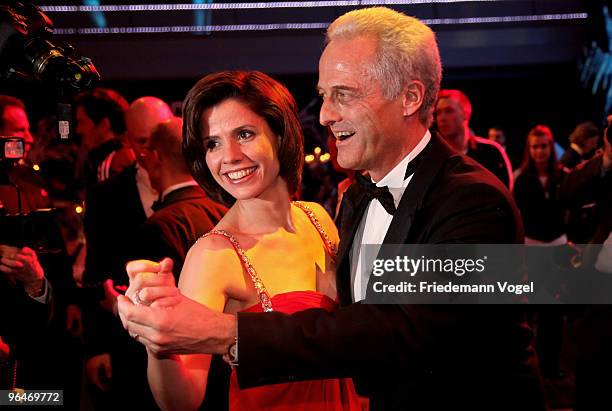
178,382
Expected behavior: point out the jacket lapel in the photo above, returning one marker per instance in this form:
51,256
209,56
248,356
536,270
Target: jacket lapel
433,160
354,204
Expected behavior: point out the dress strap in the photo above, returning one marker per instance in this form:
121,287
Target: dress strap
260,288
331,248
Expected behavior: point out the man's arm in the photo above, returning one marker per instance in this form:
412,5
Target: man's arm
24,290
361,339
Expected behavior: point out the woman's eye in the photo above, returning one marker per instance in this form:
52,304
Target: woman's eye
210,144
245,134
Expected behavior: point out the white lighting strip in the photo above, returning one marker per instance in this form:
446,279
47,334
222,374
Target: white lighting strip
258,5
309,26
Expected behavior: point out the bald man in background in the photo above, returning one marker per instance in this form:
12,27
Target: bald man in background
115,211
124,202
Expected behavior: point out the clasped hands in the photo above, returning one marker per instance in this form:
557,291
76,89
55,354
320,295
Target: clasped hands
21,265
167,322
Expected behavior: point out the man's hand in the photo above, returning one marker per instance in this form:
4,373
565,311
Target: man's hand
21,265
99,371
183,327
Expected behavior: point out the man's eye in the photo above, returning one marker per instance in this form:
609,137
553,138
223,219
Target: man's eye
343,95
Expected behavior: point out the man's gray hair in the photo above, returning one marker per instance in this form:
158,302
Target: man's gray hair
407,50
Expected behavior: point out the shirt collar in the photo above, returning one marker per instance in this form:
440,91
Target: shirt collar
395,177
175,187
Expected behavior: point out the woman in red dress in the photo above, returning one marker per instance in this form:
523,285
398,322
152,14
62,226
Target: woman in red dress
244,145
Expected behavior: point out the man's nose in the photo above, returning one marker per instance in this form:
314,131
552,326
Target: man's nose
329,113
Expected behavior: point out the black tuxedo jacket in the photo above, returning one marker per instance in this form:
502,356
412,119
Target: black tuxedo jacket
113,214
414,357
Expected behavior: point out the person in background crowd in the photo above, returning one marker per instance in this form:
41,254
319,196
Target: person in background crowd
19,174
100,124
116,209
14,121
453,113
583,143
545,221
497,135
591,183
536,187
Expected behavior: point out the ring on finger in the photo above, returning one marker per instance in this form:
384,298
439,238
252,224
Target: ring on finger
138,300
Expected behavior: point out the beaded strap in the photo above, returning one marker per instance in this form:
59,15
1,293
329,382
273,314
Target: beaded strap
260,288
329,245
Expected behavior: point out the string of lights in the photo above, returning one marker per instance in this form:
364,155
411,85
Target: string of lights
308,26
247,6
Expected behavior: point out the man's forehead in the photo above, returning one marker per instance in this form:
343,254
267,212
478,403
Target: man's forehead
15,114
445,102
14,111
344,63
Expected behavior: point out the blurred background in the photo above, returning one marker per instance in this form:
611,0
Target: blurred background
519,61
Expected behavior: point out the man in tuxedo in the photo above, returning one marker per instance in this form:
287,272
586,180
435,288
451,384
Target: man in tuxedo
379,76
183,212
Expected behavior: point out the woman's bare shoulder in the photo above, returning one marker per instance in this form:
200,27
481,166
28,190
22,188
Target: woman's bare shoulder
324,219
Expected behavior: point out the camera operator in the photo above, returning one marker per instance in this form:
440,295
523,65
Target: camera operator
14,121
32,195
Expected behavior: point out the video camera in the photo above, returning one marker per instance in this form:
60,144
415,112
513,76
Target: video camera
26,49
11,148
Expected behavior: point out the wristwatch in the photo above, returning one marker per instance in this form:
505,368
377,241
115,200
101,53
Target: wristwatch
232,353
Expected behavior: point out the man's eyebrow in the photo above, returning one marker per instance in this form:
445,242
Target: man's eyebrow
339,87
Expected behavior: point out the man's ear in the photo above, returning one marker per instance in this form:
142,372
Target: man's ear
105,125
413,97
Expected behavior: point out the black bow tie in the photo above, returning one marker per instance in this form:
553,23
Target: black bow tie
382,194
372,191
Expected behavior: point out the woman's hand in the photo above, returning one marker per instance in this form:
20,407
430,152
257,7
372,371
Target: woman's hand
151,283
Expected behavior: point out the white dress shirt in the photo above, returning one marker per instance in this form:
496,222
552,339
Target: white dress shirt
376,221
147,194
